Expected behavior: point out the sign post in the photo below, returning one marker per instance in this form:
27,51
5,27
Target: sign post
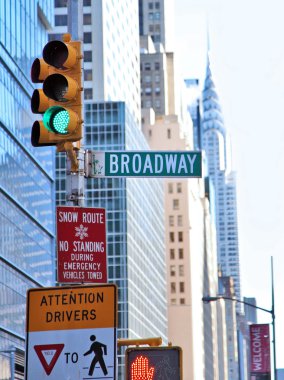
81,245
71,333
144,164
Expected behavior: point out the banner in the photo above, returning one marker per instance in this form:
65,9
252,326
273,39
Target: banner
260,352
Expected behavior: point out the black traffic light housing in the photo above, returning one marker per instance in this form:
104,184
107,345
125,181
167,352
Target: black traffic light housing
153,363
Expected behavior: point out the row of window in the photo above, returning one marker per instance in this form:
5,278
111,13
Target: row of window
174,301
172,237
173,270
62,20
171,187
172,220
63,3
148,91
148,66
154,15
151,5
180,286
180,254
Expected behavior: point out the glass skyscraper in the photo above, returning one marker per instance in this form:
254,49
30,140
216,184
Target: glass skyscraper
216,145
26,176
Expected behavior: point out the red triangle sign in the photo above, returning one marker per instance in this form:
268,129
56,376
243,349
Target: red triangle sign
39,349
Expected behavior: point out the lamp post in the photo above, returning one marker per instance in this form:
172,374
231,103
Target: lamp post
215,298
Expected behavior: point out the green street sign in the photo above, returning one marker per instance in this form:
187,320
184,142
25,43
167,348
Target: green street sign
145,164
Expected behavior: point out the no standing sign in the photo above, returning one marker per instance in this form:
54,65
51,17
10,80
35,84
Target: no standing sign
81,245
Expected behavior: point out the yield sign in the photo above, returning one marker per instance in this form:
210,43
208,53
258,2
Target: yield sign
44,350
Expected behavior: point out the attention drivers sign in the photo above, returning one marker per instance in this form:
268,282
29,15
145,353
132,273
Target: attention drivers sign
71,333
81,245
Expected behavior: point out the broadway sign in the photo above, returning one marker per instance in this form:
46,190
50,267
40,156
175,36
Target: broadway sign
81,245
144,164
260,352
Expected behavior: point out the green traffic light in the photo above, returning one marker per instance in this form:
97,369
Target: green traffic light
56,119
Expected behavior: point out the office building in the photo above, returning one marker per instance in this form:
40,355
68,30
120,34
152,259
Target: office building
215,142
134,207
26,181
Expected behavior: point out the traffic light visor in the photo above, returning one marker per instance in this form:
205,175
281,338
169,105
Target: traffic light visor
39,70
60,55
39,102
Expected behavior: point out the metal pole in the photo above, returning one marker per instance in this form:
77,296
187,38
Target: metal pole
75,181
273,320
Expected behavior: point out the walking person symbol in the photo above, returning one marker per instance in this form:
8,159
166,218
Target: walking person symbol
97,348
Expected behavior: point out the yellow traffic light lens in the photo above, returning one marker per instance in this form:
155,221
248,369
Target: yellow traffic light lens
56,119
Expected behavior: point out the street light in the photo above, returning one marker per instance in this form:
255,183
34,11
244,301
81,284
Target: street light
208,299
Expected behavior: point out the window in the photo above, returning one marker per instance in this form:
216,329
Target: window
172,254
182,301
148,91
180,236
172,237
150,5
180,253
60,20
88,56
157,103
170,188
173,287
147,66
157,91
88,93
87,19
172,270
175,204
171,220
157,28
157,15
87,37
87,3
157,65
149,132
181,270
179,220
157,5
88,75
173,301
60,3
179,187
150,15
181,287
169,133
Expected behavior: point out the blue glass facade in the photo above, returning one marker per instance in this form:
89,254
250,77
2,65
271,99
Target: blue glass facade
26,174
135,225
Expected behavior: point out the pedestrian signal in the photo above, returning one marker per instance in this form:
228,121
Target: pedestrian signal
151,363
60,99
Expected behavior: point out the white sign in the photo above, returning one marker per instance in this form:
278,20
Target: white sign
71,333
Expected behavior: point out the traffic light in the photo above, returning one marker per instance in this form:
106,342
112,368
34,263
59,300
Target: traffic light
59,100
153,363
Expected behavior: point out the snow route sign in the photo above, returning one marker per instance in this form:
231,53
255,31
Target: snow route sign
81,245
71,333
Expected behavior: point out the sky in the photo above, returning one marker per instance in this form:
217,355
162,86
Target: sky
247,63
